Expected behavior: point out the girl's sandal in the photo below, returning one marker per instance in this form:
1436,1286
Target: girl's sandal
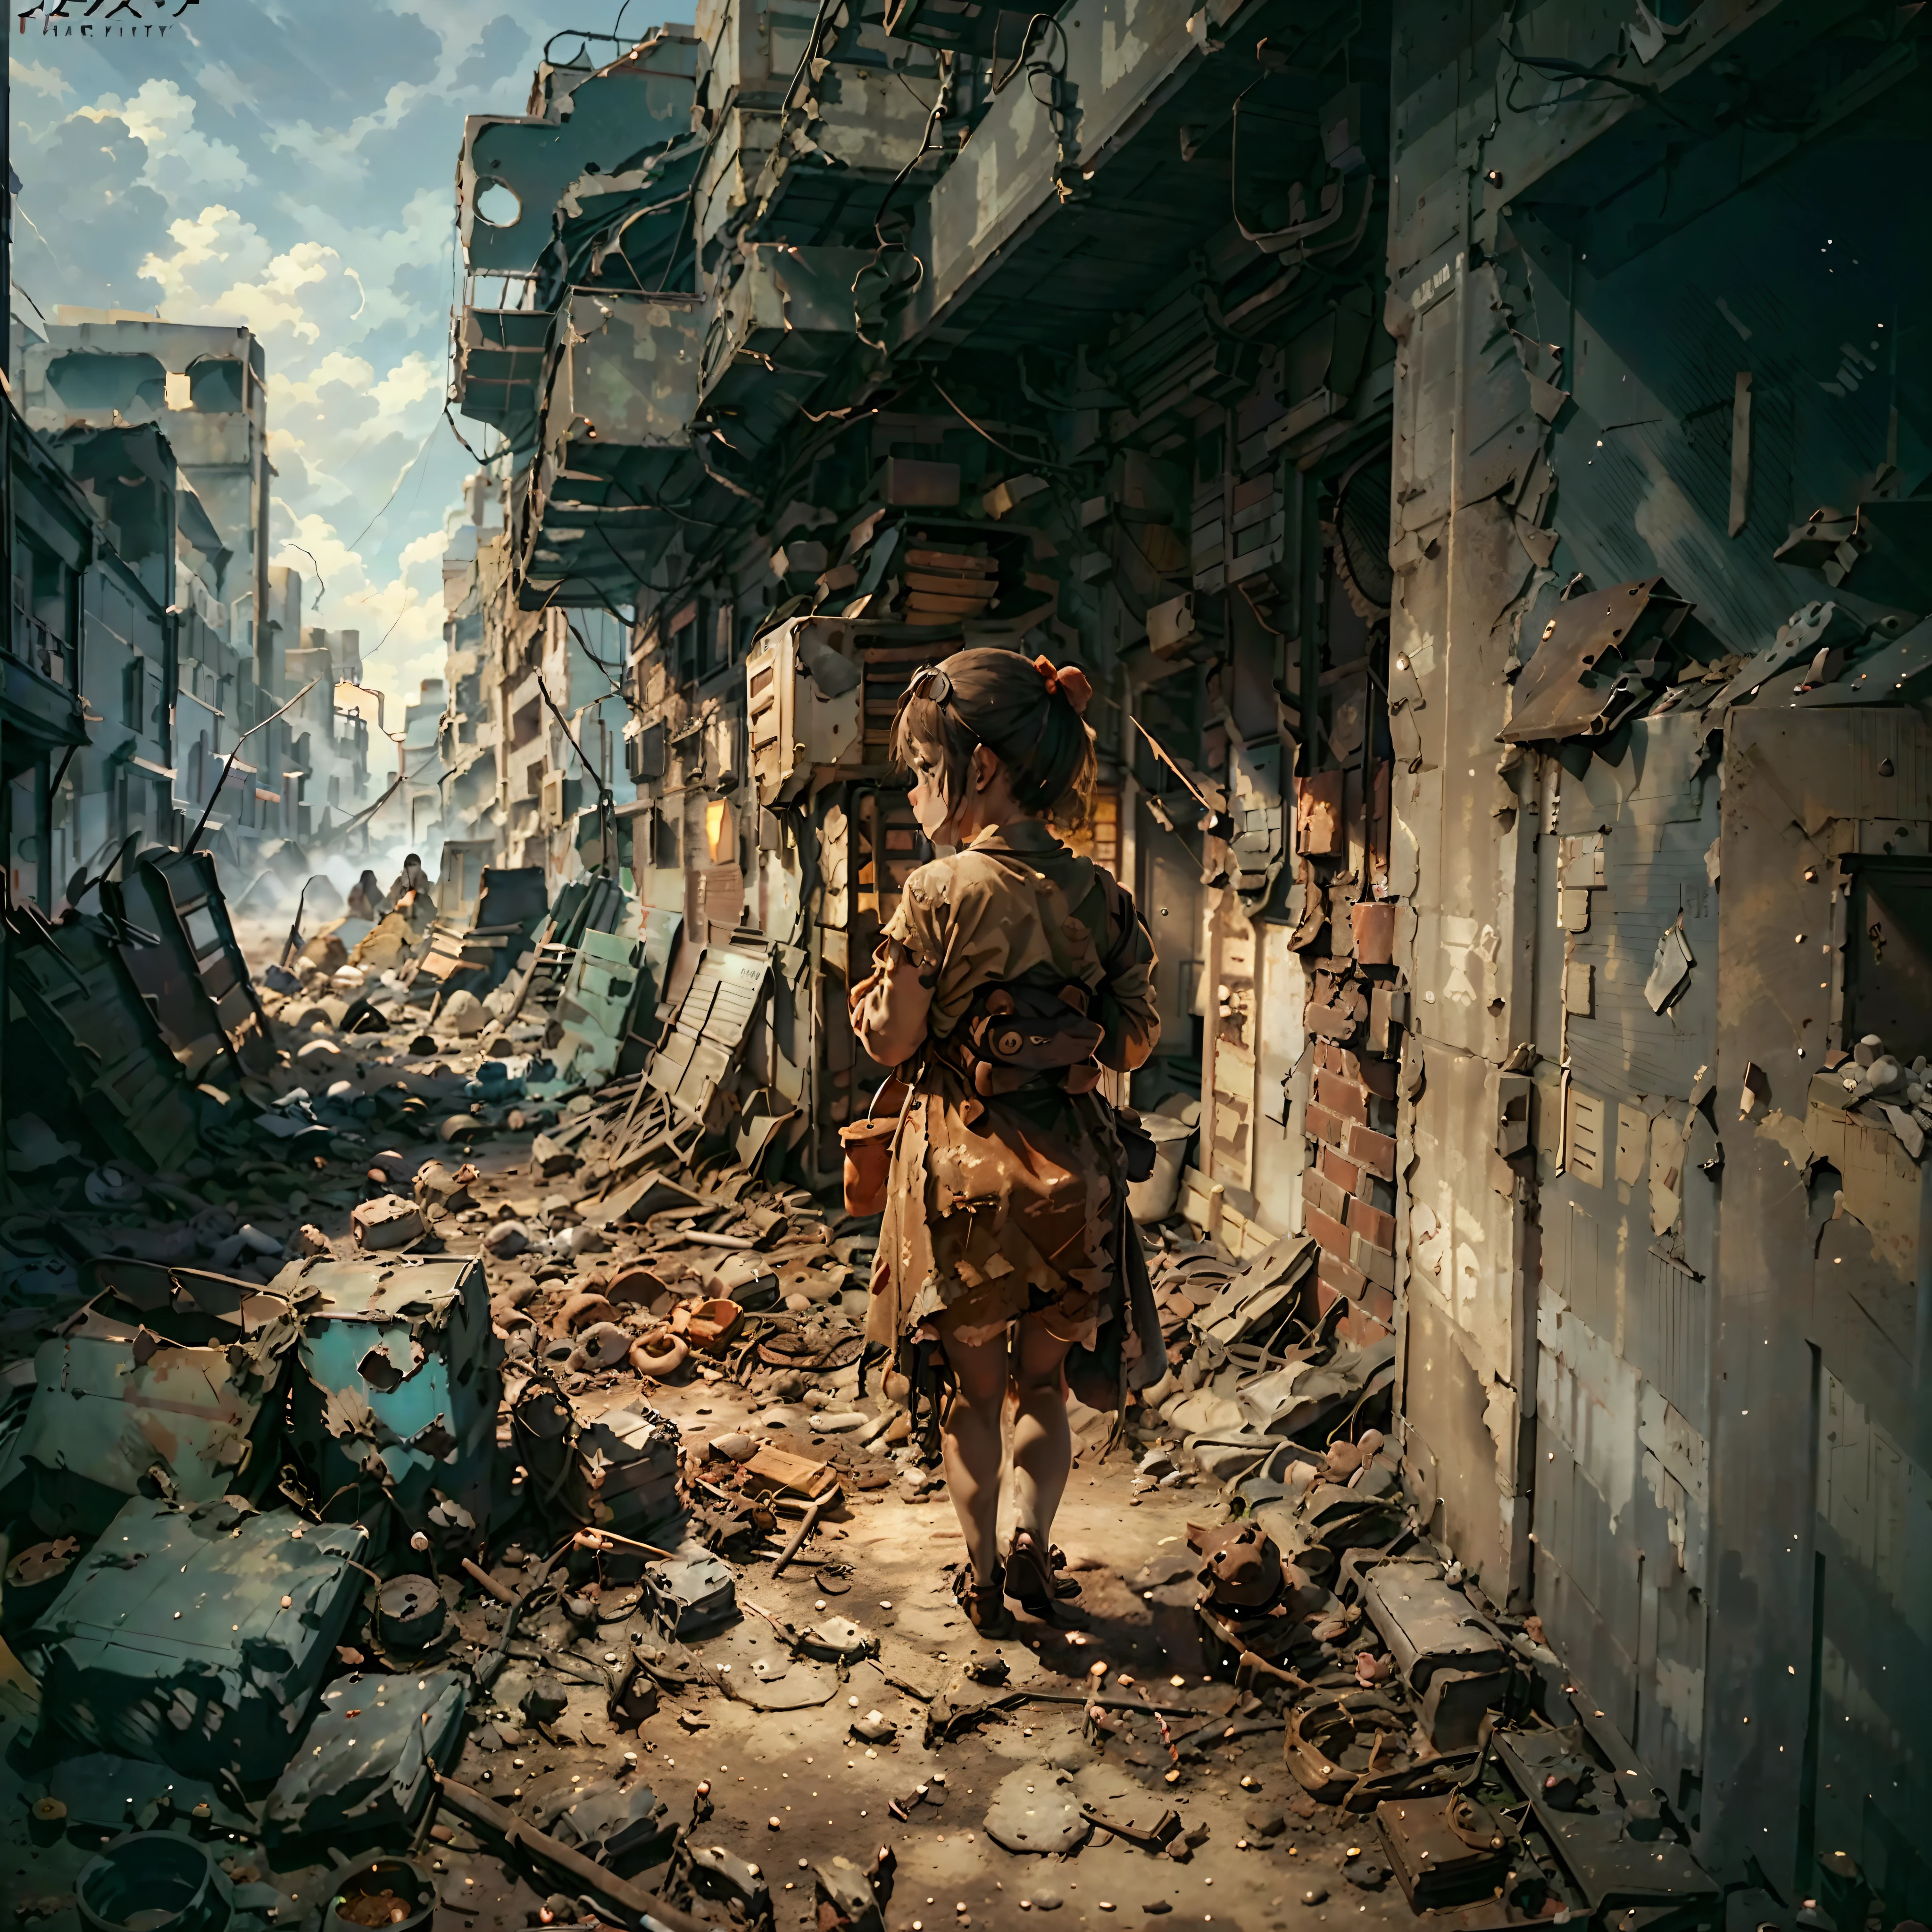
984,1603
1064,1587
1031,1583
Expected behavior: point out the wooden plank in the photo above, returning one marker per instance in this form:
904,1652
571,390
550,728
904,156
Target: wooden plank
950,584
922,601
773,1469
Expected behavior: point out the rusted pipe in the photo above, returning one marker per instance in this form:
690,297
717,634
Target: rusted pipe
596,1539
599,1880
482,1578
820,1504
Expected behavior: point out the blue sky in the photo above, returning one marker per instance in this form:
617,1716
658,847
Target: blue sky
289,165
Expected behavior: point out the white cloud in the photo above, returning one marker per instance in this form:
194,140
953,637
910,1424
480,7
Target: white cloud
413,378
225,87
334,154
222,270
428,548
425,233
179,155
217,241
341,567
47,80
400,620
335,367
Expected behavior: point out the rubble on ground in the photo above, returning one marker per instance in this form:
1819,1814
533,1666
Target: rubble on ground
420,1499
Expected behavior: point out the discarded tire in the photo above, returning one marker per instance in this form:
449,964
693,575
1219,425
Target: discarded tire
155,1880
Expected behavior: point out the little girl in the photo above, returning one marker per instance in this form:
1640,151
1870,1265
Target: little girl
1011,972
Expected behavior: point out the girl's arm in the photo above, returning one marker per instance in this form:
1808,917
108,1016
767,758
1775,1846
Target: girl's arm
889,1007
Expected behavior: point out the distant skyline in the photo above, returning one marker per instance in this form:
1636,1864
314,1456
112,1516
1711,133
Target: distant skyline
291,167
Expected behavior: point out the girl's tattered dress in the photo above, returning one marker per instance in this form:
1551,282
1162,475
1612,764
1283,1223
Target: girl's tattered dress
1007,1195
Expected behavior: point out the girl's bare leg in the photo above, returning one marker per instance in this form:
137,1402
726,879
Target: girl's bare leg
1043,1443
970,1439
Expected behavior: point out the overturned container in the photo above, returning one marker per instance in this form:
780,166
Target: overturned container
393,1412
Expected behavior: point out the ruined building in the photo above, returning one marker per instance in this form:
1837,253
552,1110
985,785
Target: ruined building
180,635
1446,441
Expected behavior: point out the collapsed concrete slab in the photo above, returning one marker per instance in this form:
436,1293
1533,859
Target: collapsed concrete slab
165,1384
368,1760
198,1638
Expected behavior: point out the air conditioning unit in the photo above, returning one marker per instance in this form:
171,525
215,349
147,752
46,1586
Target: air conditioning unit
803,706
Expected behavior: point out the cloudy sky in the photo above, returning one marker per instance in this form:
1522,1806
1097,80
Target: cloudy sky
289,165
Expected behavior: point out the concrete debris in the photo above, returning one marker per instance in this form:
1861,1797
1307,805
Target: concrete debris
367,1761
1037,1810
387,1222
198,1638
169,1379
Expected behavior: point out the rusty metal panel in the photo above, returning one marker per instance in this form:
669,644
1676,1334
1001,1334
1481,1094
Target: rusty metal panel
1667,1332
1787,774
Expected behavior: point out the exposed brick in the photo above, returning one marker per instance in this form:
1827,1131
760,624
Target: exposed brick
1373,925
1368,1320
1373,1224
1379,1077
1342,1172
1376,1263
1318,1191
1341,1277
1329,1234
1376,1152
1341,1096
1323,1125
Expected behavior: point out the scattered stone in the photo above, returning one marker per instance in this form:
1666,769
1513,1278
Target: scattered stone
548,1160
462,1014
545,1701
446,1190
388,1222
1037,1809
604,1346
506,1238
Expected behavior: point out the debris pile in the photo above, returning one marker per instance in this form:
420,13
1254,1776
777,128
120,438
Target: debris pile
387,1487
1878,1087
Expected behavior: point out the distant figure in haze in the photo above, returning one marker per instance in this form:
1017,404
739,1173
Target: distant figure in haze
413,879
365,898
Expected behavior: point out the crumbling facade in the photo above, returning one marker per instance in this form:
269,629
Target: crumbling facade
1446,445
530,761
184,636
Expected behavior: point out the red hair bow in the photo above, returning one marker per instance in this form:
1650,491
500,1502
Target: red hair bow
1069,681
